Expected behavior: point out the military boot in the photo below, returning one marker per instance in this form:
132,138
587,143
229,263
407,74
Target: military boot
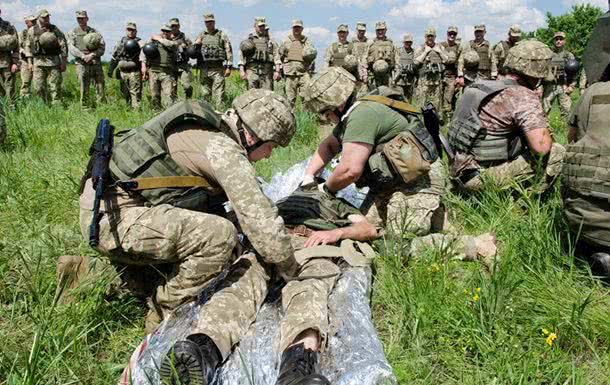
600,265
188,93
190,362
298,367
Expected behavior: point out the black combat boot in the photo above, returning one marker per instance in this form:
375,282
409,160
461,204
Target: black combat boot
188,93
600,265
298,367
190,362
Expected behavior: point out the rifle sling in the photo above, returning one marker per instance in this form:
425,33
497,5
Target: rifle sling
164,182
395,104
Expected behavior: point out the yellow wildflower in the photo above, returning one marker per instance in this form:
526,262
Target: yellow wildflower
434,268
466,292
478,289
545,332
551,338
475,298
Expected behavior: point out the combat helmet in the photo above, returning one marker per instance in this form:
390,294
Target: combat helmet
132,47
530,58
151,51
329,89
247,46
471,60
380,67
309,54
92,41
350,63
596,57
48,41
8,42
266,114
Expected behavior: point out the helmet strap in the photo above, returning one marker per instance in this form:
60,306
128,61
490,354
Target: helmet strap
244,141
348,104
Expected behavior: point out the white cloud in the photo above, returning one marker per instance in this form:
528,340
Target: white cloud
603,4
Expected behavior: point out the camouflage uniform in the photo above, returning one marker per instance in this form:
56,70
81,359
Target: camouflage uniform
405,75
46,74
87,72
453,51
163,74
296,70
359,49
431,63
25,70
555,87
131,75
217,56
337,51
380,49
261,63
501,49
488,64
184,68
9,56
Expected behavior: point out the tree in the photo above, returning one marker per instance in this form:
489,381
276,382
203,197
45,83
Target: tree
577,24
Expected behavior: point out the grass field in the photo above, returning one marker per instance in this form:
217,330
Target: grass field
538,318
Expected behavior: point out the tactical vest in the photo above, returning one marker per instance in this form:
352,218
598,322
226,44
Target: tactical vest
212,47
340,51
142,153
263,50
483,51
558,64
359,47
433,64
166,59
79,41
6,29
586,167
38,50
315,209
124,55
382,50
406,59
453,53
295,50
465,132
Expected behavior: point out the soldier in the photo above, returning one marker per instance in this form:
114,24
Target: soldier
87,46
405,75
337,51
9,59
510,140
184,68
488,66
559,85
430,58
501,49
453,51
297,55
217,60
371,135
585,171
380,57
47,52
259,60
126,56
26,70
162,68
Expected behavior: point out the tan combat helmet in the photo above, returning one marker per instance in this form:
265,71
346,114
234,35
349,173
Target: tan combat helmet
350,63
531,58
267,115
471,60
329,89
309,54
48,41
380,67
8,42
92,41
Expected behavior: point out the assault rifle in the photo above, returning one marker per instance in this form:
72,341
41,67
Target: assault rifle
100,151
432,123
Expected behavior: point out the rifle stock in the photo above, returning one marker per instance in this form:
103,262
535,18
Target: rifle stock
101,151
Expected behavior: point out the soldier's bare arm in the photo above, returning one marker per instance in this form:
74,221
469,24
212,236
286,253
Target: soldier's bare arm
326,151
358,231
353,161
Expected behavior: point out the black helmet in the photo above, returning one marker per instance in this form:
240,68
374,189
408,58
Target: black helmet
132,47
572,67
193,52
151,51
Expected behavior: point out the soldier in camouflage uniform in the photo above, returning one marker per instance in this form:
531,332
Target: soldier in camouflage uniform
360,47
380,58
501,49
510,140
430,58
259,60
405,73
559,86
297,55
163,70
217,61
26,70
488,65
184,68
450,84
87,46
47,52
129,66
337,51
9,59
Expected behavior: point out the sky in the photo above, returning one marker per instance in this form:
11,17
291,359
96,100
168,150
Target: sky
320,17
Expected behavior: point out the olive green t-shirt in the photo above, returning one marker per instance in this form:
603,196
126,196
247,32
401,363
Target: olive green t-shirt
371,123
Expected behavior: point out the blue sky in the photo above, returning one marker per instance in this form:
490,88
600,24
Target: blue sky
319,16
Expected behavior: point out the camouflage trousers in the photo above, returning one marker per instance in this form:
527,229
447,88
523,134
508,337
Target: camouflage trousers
430,91
131,88
212,84
196,245
163,88
47,83
88,75
260,77
521,170
185,76
26,79
450,94
230,312
555,91
408,91
7,83
295,85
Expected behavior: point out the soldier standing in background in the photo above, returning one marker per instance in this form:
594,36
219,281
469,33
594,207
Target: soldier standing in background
184,69
217,60
558,85
26,70
126,56
405,75
337,51
162,68
380,57
87,46
501,49
297,55
453,51
9,59
488,66
258,57
430,58
360,46
47,52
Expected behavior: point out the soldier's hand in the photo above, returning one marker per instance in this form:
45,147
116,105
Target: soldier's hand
459,81
242,74
277,76
14,68
198,41
427,49
227,72
155,37
569,90
327,237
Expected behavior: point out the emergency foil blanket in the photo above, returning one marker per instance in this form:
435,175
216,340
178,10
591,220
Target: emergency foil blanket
354,355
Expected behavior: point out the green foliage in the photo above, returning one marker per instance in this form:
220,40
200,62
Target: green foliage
577,24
